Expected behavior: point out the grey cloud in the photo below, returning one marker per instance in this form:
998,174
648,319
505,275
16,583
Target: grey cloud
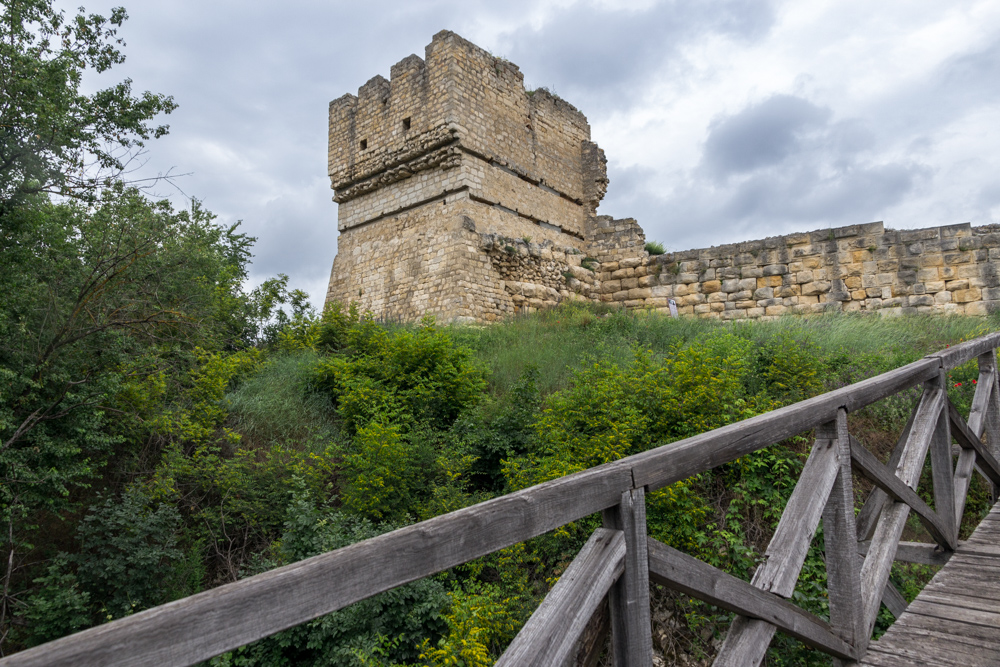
779,165
763,134
599,58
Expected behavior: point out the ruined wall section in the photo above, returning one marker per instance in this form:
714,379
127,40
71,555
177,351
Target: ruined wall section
948,270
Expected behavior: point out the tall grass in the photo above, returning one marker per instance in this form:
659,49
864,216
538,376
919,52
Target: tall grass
273,406
560,340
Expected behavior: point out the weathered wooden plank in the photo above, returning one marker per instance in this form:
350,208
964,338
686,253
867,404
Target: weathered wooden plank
984,417
943,475
922,553
956,355
988,619
923,644
550,635
681,572
839,533
869,466
904,632
745,643
680,460
968,440
991,428
787,550
956,598
910,646
963,479
628,600
875,571
927,653
880,659
980,400
196,628
954,628
872,509
748,639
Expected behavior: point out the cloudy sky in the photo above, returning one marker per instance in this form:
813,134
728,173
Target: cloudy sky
723,120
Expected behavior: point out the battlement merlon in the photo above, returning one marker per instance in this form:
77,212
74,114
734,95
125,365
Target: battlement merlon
460,93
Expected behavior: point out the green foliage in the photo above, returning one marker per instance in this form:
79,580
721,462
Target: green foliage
355,635
379,472
126,548
401,377
51,130
654,248
611,411
57,606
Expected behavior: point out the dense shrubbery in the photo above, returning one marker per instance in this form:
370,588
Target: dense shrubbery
342,428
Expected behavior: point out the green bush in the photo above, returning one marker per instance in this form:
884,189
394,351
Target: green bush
654,248
385,629
400,377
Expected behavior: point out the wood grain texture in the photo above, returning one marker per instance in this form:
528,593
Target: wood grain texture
968,440
991,429
748,639
875,571
550,635
980,400
872,509
196,628
956,355
869,466
963,479
955,620
787,550
943,474
917,552
628,600
687,574
843,573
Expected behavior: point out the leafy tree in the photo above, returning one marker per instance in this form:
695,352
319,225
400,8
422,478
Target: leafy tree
54,138
101,311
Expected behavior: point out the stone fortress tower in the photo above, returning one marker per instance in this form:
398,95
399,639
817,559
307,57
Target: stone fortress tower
464,196
451,176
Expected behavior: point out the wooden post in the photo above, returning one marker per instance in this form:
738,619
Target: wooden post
988,361
942,472
843,577
631,628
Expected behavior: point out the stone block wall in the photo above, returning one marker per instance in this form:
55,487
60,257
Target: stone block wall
464,196
951,269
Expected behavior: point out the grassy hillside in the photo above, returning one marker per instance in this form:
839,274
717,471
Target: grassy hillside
341,428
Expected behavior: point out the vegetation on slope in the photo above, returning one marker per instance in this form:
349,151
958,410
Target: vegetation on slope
163,430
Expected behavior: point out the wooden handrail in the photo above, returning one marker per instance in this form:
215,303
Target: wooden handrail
199,627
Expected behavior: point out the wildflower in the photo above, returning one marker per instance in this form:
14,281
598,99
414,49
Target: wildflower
974,382
958,384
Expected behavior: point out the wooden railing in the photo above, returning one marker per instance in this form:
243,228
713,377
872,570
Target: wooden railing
619,559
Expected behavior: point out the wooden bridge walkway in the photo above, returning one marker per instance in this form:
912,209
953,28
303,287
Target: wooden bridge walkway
955,619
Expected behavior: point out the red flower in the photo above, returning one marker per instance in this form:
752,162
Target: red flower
974,382
958,384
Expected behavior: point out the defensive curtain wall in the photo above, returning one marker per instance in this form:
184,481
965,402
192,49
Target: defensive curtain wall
464,196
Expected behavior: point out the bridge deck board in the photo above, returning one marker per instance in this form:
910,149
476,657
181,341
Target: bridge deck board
955,620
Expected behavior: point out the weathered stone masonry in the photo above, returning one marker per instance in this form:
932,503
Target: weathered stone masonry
464,196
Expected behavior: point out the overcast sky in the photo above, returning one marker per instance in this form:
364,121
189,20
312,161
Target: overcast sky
722,120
